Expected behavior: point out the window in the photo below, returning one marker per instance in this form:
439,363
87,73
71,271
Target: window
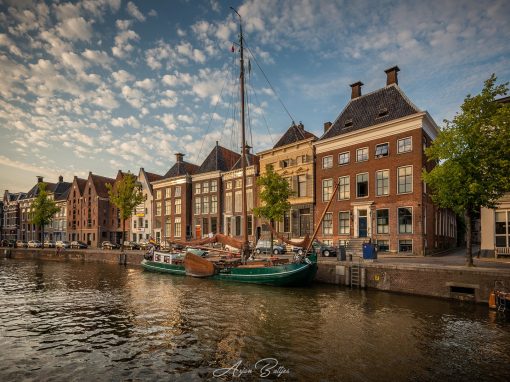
250,225
502,231
158,194
177,205
238,201
343,158
214,225
383,221
134,223
239,183
362,154
228,185
168,207
382,182
214,204
327,189
168,227
405,145
168,192
214,186
205,205
198,206
198,188
381,150
362,185
249,199
177,191
249,181
228,202
405,220
286,221
383,245
205,187
301,189
344,188
405,179
285,163
327,161
327,224
237,225
177,227
158,208
146,223
343,222
405,245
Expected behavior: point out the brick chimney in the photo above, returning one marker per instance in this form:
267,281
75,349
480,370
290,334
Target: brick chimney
60,179
39,179
327,125
356,89
179,157
391,75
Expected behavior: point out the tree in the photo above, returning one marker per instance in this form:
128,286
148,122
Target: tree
125,195
473,156
43,209
274,196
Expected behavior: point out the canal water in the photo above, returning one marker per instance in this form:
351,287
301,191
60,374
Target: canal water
65,321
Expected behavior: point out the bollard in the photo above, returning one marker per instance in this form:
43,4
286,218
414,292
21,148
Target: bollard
347,276
122,259
363,277
7,253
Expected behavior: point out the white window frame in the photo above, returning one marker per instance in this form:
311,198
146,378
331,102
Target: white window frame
340,232
377,183
412,221
348,154
348,192
399,151
363,156
331,194
405,176
329,159
382,155
368,185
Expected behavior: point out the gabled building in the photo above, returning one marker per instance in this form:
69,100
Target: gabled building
292,157
207,187
374,150
232,198
172,202
56,230
11,228
142,220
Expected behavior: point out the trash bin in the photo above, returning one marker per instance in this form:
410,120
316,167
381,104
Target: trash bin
341,253
369,251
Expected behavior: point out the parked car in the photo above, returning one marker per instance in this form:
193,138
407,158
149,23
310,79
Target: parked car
318,247
34,244
62,244
8,243
21,244
264,246
78,245
144,243
131,245
49,244
109,245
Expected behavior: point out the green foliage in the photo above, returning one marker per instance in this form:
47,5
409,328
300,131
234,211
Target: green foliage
473,153
274,194
125,195
43,208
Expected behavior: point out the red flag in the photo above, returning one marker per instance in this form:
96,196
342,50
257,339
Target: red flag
233,49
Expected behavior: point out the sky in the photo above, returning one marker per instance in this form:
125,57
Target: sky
103,85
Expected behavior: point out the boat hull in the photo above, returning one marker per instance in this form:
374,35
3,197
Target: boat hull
153,266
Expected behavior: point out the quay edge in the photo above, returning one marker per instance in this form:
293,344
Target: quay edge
450,282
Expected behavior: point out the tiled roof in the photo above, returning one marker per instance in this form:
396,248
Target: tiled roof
61,187
34,191
181,168
250,160
63,195
219,158
81,184
295,133
100,184
151,177
380,106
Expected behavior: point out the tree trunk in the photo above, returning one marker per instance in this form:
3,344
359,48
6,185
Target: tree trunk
42,234
271,242
122,238
469,252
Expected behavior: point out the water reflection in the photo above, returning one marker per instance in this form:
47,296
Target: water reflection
104,322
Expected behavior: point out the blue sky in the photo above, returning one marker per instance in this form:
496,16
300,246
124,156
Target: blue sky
102,85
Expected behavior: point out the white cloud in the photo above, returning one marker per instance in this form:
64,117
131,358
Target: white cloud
135,12
122,46
146,84
133,96
168,120
7,42
121,122
72,60
98,57
121,77
75,28
185,118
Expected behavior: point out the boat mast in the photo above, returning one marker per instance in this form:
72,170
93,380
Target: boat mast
244,250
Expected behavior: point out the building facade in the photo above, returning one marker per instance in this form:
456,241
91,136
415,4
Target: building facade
292,157
374,151
11,228
232,188
142,220
495,226
172,202
207,201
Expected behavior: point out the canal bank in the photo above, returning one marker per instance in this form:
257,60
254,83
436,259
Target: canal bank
434,279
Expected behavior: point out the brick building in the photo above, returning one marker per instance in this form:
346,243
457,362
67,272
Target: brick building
11,228
207,198
172,202
91,217
233,203
142,220
375,151
292,157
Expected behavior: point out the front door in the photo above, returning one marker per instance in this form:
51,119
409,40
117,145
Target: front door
362,223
